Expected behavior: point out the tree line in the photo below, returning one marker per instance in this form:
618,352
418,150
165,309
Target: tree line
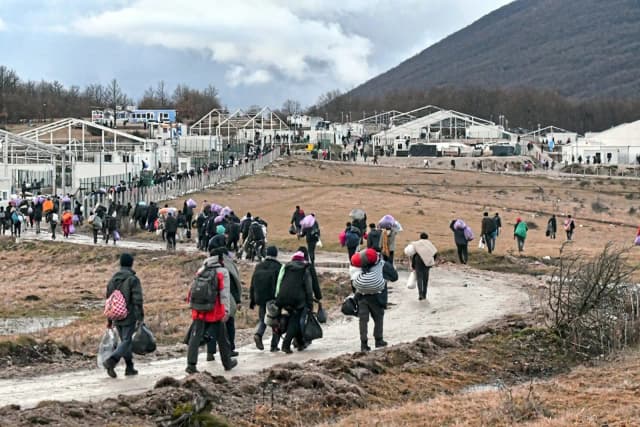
24,100
524,108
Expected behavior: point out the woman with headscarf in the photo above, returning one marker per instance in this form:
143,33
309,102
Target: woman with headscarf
520,233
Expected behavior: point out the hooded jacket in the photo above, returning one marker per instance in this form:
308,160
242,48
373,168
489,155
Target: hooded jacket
223,302
488,225
263,282
296,290
128,283
458,234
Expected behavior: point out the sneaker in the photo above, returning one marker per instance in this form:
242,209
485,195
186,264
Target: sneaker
191,369
258,340
129,372
232,365
110,365
381,343
211,357
234,353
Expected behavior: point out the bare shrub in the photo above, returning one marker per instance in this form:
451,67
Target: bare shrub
593,304
532,226
517,408
632,210
598,207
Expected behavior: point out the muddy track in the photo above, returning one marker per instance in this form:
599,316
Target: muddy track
459,299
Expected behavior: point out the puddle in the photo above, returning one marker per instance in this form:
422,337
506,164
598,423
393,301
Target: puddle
481,388
30,325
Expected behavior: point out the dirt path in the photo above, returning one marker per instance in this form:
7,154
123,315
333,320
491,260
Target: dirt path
459,299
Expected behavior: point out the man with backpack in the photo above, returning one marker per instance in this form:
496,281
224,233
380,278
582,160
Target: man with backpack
294,293
124,285
263,290
210,302
352,239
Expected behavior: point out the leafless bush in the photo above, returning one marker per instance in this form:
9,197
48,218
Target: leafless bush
594,306
598,207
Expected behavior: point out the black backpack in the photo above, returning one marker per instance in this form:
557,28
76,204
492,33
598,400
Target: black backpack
204,290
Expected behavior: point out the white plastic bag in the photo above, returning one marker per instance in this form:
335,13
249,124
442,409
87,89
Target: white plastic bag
481,243
412,281
319,244
108,344
410,250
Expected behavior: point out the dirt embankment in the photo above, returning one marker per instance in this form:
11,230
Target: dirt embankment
510,351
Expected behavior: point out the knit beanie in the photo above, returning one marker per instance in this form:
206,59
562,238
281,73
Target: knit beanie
298,256
126,260
272,252
220,229
364,258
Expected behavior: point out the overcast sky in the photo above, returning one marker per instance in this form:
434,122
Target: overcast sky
256,52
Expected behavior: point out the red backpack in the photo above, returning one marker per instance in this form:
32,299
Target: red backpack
115,307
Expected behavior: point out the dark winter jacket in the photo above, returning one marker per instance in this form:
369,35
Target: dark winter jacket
37,212
297,217
171,224
552,225
312,234
127,282
488,226
458,234
352,237
374,240
263,282
296,290
233,230
244,227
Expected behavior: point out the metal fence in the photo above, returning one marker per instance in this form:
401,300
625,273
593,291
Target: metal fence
173,189
88,185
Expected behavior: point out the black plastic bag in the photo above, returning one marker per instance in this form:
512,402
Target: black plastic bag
350,306
312,328
143,341
292,230
322,314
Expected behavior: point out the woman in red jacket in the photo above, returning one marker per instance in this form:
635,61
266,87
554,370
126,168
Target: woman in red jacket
67,222
210,324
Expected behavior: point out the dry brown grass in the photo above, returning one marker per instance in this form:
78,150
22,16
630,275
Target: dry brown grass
428,200
70,280
600,395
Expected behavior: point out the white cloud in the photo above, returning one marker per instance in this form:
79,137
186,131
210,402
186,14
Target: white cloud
258,40
3,26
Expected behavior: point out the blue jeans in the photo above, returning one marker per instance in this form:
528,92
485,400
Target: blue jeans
124,348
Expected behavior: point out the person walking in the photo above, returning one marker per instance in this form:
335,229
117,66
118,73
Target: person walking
389,244
498,221
263,290
53,223
125,281
520,233
312,235
67,222
352,239
369,280
210,302
171,228
96,225
297,216
111,227
569,227
462,235
423,256
37,216
374,238
294,293
488,231
16,222
552,227
218,246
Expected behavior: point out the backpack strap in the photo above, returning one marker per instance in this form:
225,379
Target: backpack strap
279,282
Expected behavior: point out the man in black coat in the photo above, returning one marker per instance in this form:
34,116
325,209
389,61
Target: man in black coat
171,228
295,295
263,290
128,283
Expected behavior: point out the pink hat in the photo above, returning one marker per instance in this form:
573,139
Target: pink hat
298,256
